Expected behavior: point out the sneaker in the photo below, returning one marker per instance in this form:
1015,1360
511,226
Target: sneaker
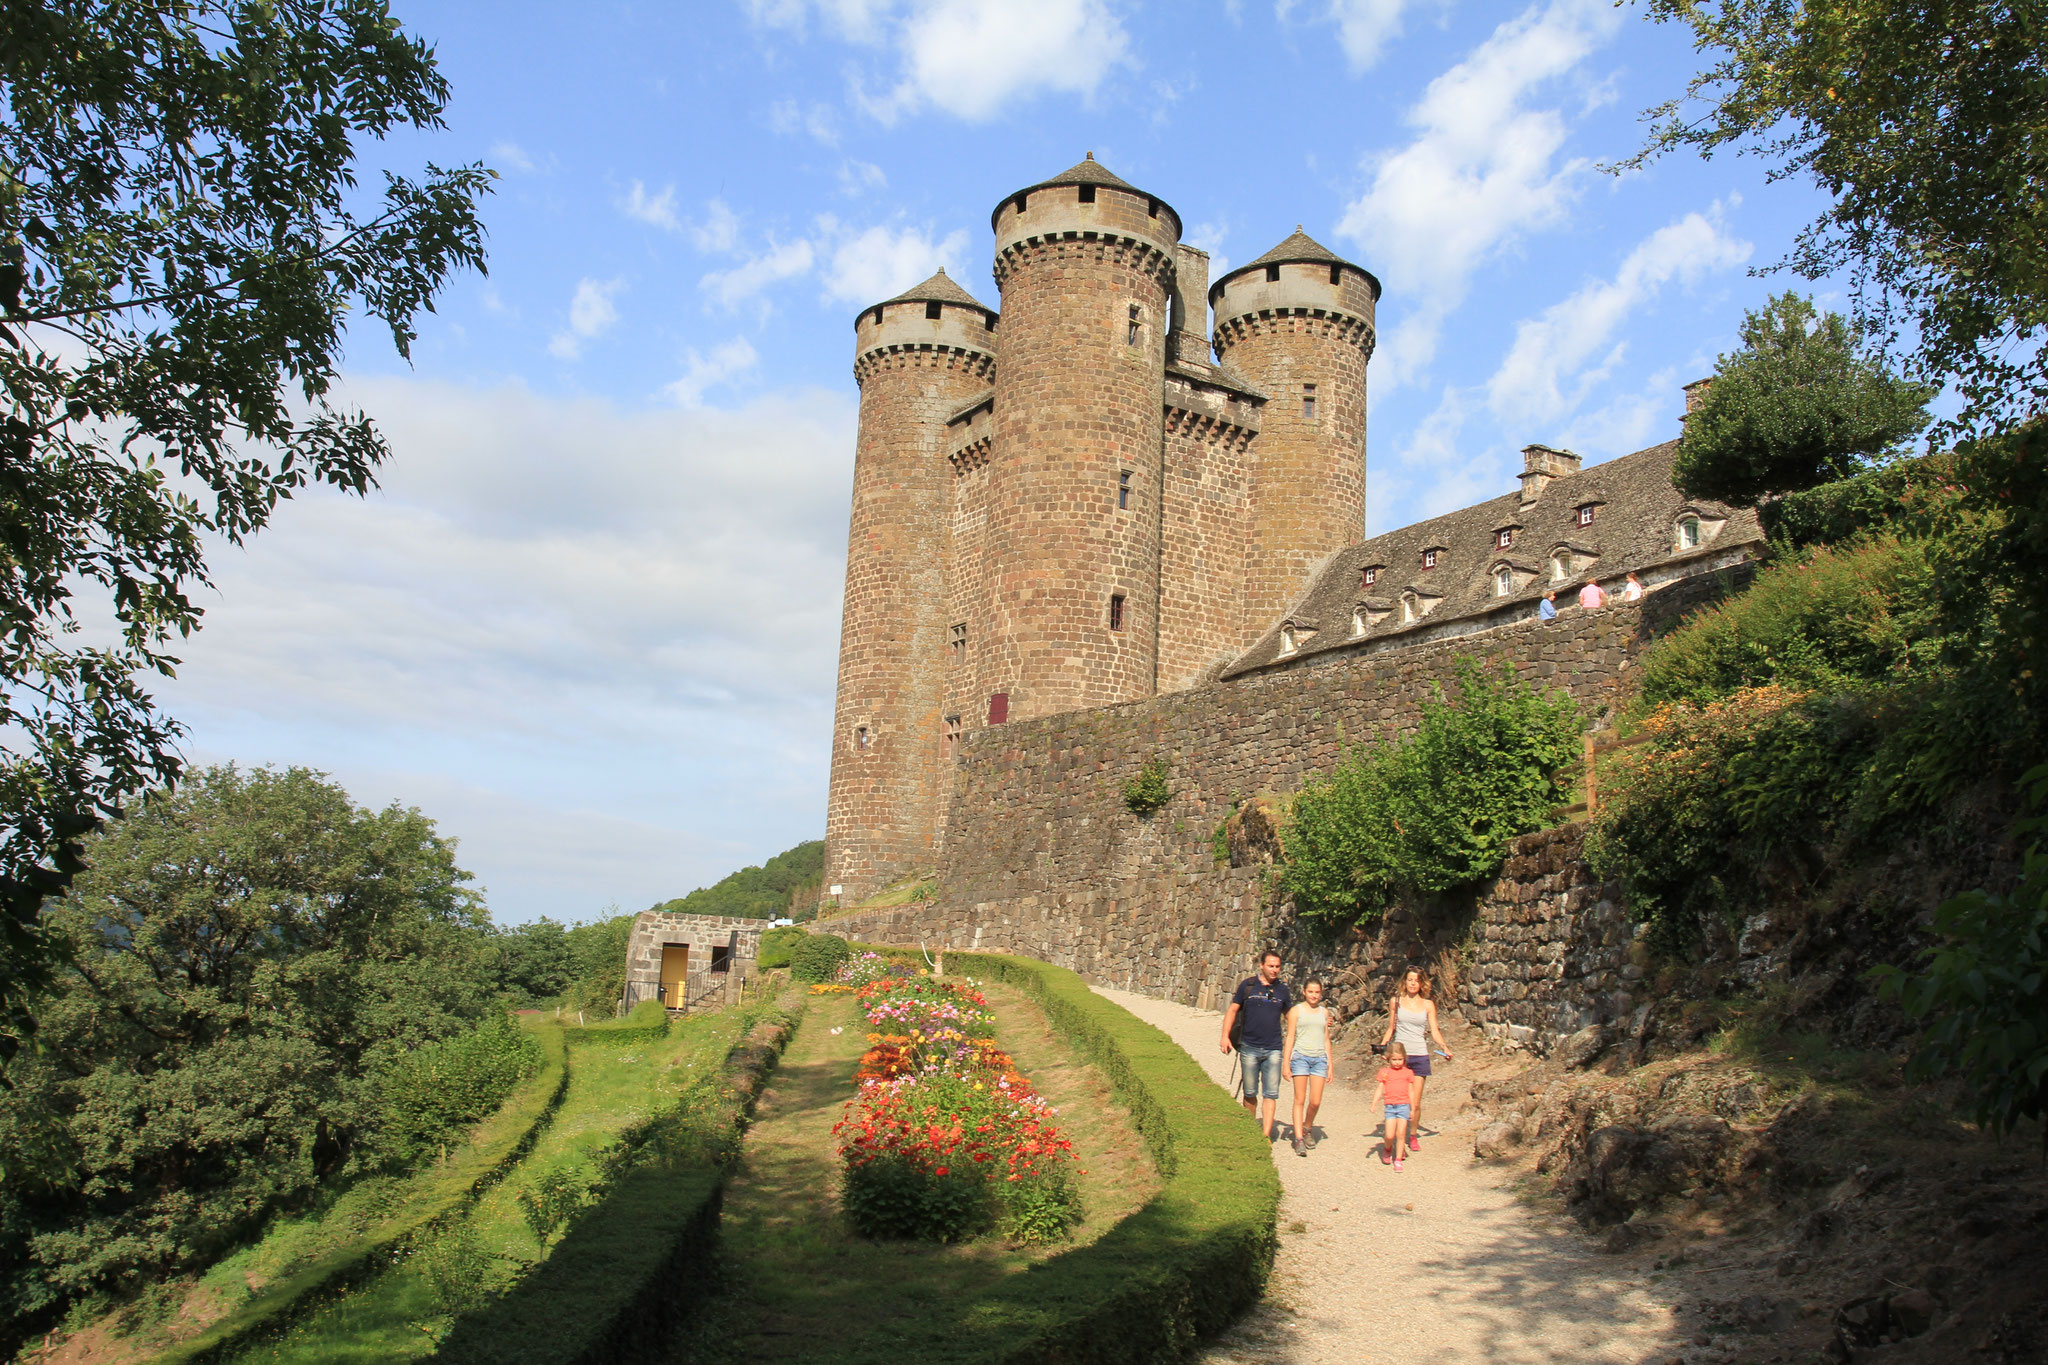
1414,1144
1315,1135
1300,1147
1397,1163
1385,1155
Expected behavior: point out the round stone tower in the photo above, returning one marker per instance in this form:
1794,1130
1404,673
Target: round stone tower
1298,323
919,358
1085,262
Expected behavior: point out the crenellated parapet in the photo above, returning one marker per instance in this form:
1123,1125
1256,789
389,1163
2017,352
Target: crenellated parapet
979,366
1342,328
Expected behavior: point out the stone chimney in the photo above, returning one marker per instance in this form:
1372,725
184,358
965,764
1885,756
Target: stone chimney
1189,343
1696,394
1541,464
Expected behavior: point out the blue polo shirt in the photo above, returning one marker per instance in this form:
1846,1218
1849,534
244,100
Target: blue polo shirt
1263,1011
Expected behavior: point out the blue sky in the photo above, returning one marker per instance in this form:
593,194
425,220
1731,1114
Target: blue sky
590,622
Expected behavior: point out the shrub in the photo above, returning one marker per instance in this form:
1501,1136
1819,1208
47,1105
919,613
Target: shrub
1829,620
1147,792
1983,994
900,1197
1437,809
1891,499
457,1269
818,957
779,944
551,1199
435,1092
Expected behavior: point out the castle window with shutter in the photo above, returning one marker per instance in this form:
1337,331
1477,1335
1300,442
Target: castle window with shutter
1429,559
1116,611
998,707
1585,514
1308,402
956,641
1123,489
1136,315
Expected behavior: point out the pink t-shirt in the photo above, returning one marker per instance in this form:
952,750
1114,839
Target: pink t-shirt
1592,597
1397,1080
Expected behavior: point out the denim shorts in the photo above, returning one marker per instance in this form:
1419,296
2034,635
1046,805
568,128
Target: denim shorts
1261,1067
1397,1111
1304,1064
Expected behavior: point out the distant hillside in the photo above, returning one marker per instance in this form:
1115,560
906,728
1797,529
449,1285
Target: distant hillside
763,892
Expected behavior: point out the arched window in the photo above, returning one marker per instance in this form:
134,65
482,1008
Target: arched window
1407,610
1358,621
1689,533
1287,639
1560,567
1503,581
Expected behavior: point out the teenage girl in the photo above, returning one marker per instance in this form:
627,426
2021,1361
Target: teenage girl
1308,1061
1410,1015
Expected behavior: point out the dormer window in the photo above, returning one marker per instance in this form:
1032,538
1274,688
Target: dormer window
1408,612
1368,576
1428,559
1358,621
1503,581
1287,641
1585,514
1504,537
1560,567
1689,533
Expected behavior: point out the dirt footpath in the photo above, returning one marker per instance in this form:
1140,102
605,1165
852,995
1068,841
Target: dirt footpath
1438,1262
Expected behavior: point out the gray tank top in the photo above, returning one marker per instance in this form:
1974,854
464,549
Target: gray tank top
1408,1027
1312,1031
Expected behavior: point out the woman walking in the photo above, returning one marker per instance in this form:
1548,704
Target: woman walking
1308,1061
1411,1018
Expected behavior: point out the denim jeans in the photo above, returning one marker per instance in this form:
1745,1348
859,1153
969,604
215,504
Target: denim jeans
1261,1068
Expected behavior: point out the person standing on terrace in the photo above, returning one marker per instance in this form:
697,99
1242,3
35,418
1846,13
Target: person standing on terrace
1258,1015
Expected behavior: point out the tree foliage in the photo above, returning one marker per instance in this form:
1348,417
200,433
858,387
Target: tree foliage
1795,407
786,882
182,236
1434,810
245,959
1927,125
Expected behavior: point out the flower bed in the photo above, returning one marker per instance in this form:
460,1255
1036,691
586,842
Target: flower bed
946,1139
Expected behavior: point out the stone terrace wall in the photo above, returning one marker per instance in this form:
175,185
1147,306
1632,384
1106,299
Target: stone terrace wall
1540,954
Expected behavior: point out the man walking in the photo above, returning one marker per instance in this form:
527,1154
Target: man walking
1258,1009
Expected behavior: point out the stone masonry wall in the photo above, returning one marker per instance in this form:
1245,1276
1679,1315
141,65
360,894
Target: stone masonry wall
655,929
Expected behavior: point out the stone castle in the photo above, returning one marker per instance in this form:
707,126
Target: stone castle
1096,497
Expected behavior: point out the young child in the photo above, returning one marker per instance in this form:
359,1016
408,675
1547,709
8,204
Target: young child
1395,1084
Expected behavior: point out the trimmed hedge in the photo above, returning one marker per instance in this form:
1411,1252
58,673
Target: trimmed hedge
1876,500
1180,1269
648,1023
615,1288
287,1301
818,957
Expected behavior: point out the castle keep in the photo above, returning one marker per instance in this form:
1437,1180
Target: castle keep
1094,497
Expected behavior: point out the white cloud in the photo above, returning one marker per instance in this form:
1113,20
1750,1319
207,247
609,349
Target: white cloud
1559,356
1432,473
512,156
622,623
883,261
591,314
968,58
1364,27
701,372
1483,169
658,209
718,231
1210,237
859,177
780,262
788,117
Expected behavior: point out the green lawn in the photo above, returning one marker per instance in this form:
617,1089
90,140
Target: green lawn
803,1287
612,1089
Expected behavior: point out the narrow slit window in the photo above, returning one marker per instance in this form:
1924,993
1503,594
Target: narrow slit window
1151,208
931,310
1308,402
1087,194
950,744
1429,559
1336,274
988,322
1116,611
1137,316
1123,489
860,736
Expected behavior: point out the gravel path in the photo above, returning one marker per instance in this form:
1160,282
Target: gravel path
1436,1263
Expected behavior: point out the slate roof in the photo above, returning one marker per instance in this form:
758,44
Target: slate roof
940,288
1297,247
1636,513
1088,171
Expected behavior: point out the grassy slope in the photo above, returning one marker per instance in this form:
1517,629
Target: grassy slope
612,1087
815,1292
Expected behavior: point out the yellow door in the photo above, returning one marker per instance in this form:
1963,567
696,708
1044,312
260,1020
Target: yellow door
675,970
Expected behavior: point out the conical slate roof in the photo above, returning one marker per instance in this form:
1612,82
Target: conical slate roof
1087,171
1298,247
940,288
